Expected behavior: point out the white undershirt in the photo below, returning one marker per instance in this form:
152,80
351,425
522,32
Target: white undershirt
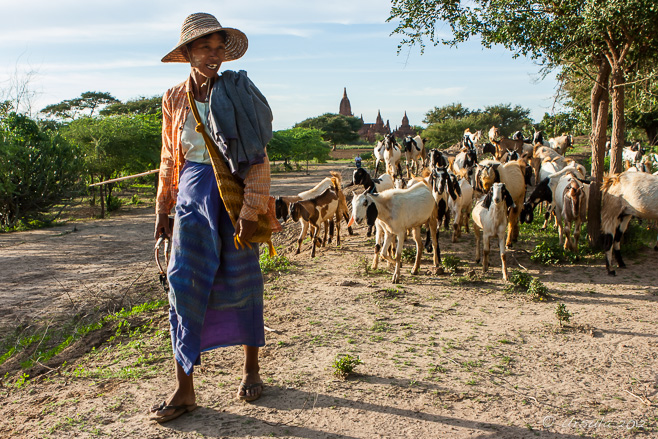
194,147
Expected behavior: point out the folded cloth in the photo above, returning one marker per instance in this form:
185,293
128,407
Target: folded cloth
240,121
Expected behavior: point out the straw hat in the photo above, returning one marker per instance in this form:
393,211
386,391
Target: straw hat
201,24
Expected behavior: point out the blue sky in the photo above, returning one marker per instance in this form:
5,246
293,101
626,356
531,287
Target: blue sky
301,55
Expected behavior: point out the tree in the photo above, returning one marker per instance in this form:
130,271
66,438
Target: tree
88,102
452,120
116,144
38,169
606,36
337,129
143,105
298,144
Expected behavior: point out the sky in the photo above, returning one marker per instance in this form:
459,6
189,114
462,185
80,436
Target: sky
301,55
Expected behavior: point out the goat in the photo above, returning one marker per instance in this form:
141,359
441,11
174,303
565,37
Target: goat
504,144
392,155
489,148
538,138
561,143
571,209
490,216
379,155
314,212
283,206
361,177
471,139
414,150
466,159
436,159
632,154
513,175
398,210
625,195
461,206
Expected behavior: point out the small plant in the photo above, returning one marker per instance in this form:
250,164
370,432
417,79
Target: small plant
344,365
563,315
409,254
537,290
135,200
113,203
520,279
381,327
549,253
451,262
277,263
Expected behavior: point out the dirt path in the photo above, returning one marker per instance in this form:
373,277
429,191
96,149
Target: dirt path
443,356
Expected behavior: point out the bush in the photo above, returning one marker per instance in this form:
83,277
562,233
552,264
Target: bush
277,263
549,253
344,365
520,279
113,203
38,169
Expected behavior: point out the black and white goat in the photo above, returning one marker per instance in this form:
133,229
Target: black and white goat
436,159
490,217
625,195
461,206
372,185
398,210
414,151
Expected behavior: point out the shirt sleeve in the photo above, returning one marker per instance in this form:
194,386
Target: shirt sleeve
164,200
256,191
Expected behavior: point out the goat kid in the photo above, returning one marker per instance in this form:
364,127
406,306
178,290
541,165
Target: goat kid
490,217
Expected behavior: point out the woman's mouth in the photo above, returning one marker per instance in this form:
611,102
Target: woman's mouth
212,66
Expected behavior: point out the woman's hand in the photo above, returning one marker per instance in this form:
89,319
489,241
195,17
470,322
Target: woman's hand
245,229
162,226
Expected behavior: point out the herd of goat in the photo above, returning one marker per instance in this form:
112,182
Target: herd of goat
493,192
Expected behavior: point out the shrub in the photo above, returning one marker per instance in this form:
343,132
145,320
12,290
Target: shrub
277,263
344,365
520,279
537,290
562,314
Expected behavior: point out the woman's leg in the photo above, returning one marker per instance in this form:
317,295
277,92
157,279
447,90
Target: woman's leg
183,394
250,387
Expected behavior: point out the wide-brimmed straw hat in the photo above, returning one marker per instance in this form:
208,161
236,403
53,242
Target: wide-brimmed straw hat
201,24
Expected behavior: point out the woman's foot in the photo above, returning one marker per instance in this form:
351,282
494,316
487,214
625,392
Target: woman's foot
251,387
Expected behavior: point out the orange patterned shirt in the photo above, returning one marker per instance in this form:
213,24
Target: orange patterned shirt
175,109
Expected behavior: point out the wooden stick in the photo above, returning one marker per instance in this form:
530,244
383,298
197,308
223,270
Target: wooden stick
125,178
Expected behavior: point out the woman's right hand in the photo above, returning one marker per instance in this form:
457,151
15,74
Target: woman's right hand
162,226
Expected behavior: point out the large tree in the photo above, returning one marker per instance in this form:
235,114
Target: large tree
85,105
606,36
337,128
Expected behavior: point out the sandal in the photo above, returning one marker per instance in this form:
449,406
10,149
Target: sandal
247,387
178,411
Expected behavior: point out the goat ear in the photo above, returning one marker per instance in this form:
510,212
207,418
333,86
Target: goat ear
509,201
451,188
371,214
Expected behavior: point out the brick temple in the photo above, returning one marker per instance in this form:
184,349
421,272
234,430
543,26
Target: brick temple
369,131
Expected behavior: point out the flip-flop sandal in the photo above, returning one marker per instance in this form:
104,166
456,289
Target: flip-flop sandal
246,388
178,411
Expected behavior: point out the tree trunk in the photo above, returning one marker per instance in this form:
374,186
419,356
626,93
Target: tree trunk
618,121
600,101
102,197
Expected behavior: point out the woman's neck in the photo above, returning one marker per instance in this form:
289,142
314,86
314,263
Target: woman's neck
201,86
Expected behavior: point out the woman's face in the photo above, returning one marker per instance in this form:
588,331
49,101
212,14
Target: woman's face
206,54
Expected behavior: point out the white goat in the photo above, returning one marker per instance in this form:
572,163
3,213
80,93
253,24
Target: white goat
398,210
461,207
571,196
392,155
379,155
625,195
490,217
561,143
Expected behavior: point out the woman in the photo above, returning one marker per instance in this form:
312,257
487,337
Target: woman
216,289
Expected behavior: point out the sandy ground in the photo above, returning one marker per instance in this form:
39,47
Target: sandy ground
442,356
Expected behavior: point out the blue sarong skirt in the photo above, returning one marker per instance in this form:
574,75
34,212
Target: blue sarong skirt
216,290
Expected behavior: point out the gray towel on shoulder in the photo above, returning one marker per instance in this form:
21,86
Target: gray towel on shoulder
240,121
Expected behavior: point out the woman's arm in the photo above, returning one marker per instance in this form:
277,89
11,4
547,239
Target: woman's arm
164,201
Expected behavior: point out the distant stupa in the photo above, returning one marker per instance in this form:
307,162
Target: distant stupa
345,106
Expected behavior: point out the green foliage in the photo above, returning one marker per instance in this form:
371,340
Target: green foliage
566,122
537,290
113,203
298,145
38,169
336,128
409,254
278,263
451,121
523,281
520,279
143,105
345,364
563,315
451,262
551,252
86,104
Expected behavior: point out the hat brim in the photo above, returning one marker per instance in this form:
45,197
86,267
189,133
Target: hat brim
236,45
